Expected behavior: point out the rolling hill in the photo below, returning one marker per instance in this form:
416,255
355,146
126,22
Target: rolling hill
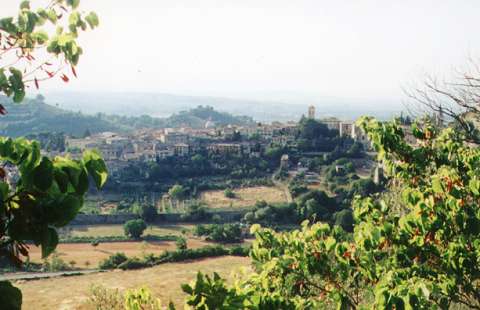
34,116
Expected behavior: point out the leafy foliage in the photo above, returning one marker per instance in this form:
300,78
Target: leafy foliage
146,211
113,261
48,194
135,228
119,260
417,253
26,37
226,233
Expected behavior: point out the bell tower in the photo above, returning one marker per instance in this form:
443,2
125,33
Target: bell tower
311,112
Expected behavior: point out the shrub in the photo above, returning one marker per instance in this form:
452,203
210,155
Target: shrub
135,228
229,193
172,256
227,233
141,299
55,263
146,211
102,298
344,219
195,212
134,263
113,261
268,215
181,244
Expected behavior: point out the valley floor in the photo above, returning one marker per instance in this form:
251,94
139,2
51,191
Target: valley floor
164,281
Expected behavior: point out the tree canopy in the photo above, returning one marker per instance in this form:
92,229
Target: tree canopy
419,251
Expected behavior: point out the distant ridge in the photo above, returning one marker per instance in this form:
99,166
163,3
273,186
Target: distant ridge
34,116
164,105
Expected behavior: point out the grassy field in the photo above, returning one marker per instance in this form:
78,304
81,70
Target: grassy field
82,253
244,197
117,230
164,281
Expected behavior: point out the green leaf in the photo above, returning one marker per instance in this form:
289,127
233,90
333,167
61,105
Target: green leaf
96,167
25,5
330,243
43,175
10,296
74,18
73,3
92,20
17,85
437,185
62,180
187,289
40,36
52,16
68,210
49,241
474,185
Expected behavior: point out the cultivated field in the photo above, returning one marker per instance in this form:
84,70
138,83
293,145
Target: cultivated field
81,253
164,281
244,197
117,230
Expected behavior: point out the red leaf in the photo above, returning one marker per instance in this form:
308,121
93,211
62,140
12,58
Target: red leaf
65,78
74,72
36,83
50,74
3,111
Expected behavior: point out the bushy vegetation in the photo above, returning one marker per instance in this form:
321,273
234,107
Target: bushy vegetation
145,211
119,260
229,193
225,233
101,298
113,261
196,212
135,228
414,247
181,243
272,214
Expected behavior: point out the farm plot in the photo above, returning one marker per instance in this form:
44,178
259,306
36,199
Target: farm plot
244,197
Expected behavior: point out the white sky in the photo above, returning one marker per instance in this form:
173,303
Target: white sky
342,48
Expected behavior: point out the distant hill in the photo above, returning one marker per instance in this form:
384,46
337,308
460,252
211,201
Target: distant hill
282,108
34,116
199,116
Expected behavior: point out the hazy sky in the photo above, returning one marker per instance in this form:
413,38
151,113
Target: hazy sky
343,48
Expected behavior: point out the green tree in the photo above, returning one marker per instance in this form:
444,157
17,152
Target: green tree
134,228
146,211
229,193
420,251
177,192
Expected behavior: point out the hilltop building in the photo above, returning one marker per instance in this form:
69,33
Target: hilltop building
311,112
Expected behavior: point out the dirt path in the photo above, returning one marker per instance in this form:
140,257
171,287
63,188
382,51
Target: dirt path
43,275
280,185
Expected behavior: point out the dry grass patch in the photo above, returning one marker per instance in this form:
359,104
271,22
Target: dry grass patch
82,253
117,230
244,197
164,281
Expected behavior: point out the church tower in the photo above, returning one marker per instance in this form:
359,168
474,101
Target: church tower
311,112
